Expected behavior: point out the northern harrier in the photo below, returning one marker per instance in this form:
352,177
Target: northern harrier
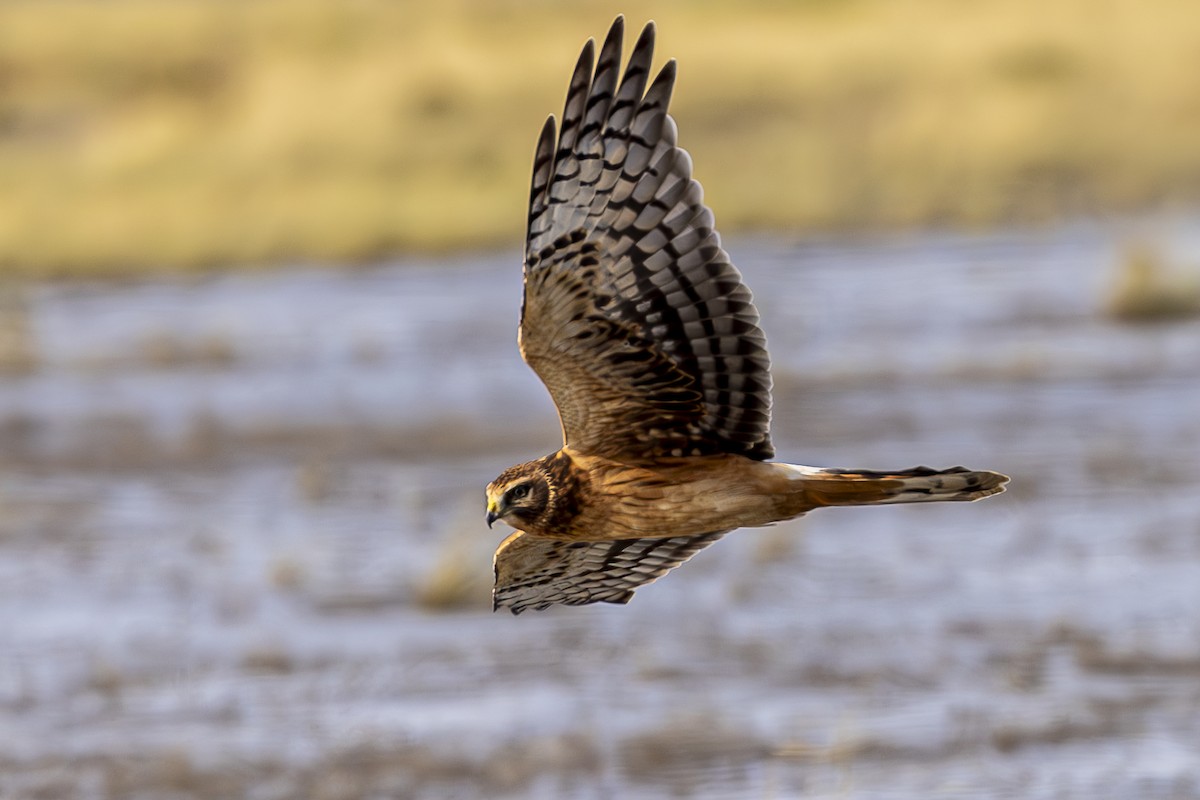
648,341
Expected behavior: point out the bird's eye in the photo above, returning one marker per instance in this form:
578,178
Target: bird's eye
517,492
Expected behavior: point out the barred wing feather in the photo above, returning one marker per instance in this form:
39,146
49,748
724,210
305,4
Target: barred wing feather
634,317
536,572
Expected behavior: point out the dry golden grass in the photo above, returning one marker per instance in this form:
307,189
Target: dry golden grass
140,135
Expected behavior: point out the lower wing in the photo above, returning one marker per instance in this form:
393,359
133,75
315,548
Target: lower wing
535,572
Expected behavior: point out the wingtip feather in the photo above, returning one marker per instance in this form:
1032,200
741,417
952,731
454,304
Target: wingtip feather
617,27
645,40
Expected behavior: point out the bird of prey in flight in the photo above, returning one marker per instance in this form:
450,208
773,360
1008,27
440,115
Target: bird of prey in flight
642,330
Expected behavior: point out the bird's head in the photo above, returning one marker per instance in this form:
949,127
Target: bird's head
520,496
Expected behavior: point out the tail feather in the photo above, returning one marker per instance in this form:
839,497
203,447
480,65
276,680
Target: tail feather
844,487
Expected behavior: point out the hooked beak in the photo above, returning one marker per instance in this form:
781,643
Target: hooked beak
492,516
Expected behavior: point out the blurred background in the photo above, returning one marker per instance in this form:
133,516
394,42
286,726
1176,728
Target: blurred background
259,286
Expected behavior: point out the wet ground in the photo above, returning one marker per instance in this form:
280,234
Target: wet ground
242,551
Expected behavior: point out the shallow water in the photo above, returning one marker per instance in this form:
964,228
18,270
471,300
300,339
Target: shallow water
242,553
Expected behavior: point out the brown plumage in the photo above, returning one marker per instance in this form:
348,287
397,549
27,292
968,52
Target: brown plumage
648,341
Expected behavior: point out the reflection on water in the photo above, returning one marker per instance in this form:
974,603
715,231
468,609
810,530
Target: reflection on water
242,549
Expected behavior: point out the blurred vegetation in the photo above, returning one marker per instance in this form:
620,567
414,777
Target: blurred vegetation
1147,289
147,135
18,351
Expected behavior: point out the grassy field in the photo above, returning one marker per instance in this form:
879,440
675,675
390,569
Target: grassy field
141,135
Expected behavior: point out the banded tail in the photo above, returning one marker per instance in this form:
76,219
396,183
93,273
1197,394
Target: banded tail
844,487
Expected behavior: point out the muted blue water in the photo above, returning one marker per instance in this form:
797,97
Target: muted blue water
261,603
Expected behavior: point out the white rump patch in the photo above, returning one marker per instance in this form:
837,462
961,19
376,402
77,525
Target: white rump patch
800,471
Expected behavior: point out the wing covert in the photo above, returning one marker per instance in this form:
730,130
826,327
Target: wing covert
634,317
536,572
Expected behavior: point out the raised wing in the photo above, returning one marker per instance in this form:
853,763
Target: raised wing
535,572
634,317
